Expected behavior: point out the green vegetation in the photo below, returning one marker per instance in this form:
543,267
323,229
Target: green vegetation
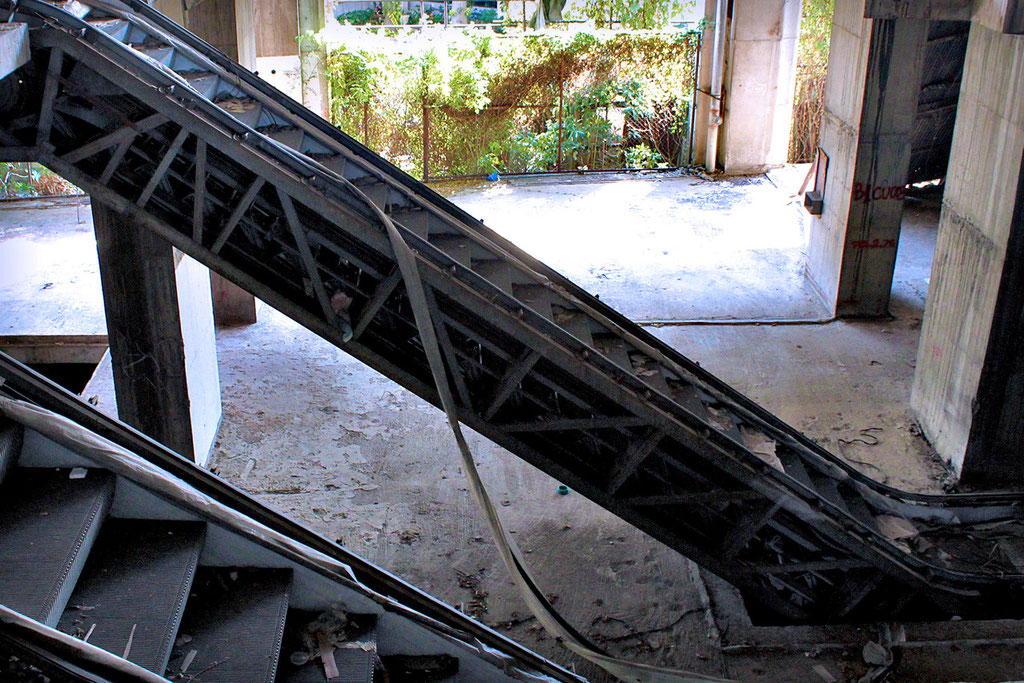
486,102
634,14
812,67
21,179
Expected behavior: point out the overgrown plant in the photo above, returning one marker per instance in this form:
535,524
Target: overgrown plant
812,69
634,14
485,102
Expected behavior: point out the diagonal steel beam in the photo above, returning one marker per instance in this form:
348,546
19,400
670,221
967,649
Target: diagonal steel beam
243,205
114,138
702,498
747,528
380,295
802,567
451,359
199,202
517,370
116,158
637,453
161,169
49,95
308,262
566,425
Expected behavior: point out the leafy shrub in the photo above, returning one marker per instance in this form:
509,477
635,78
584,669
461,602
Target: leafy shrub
503,102
642,156
482,15
358,17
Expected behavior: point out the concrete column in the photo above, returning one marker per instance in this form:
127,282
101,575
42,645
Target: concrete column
874,81
232,305
314,86
160,328
703,98
760,78
140,298
967,386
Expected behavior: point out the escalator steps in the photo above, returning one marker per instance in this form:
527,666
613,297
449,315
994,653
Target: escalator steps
133,590
234,623
48,524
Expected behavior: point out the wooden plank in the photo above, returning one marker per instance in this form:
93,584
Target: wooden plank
277,24
67,348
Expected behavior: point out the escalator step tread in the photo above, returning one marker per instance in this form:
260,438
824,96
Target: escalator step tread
48,525
234,621
134,587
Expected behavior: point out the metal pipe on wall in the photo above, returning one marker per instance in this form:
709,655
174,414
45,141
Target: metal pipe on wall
715,94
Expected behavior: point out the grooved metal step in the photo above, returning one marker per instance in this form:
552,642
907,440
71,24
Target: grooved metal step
49,521
234,623
131,596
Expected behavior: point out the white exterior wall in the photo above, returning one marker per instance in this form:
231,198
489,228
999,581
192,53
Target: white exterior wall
198,334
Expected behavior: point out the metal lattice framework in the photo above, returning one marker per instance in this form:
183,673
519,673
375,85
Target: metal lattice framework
153,122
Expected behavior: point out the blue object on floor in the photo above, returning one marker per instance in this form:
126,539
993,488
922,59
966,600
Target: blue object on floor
493,176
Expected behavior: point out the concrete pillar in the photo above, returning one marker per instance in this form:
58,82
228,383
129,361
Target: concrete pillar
967,385
228,25
874,81
232,305
140,298
703,97
760,78
199,338
315,94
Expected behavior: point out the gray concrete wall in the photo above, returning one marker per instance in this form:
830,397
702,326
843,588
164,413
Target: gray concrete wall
976,216
840,126
759,83
875,71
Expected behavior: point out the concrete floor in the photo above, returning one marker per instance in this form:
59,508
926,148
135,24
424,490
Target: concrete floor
49,279
661,247
317,435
